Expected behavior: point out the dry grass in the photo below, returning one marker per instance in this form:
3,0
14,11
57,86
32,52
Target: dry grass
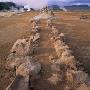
77,37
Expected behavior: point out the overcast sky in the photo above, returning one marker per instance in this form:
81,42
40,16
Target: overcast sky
41,3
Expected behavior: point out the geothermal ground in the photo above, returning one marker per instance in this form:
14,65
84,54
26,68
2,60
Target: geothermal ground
76,32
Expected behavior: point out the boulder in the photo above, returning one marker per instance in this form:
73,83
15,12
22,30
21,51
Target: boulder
80,76
30,66
14,62
21,47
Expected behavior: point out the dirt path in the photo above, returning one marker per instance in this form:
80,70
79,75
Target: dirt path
45,50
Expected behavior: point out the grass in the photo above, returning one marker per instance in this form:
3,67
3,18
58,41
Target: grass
77,37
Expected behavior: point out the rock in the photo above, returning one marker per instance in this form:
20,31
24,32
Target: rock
54,79
67,88
19,41
51,57
34,23
59,43
43,16
19,83
14,62
30,66
69,61
57,67
51,13
34,30
87,82
69,78
67,53
61,35
27,66
56,36
36,37
60,50
55,30
83,87
80,76
23,70
49,23
21,47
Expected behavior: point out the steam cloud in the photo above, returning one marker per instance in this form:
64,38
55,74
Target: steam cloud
42,3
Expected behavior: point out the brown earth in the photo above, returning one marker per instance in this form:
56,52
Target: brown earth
77,37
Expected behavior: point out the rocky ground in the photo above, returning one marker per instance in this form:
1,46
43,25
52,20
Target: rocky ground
77,37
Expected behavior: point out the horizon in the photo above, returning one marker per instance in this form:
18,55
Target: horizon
43,3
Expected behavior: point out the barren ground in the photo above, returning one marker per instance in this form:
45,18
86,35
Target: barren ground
77,37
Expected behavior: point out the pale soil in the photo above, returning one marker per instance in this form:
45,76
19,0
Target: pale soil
77,37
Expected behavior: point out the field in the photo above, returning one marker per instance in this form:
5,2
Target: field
18,26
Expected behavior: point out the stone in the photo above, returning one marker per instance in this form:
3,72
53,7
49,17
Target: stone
83,87
36,37
30,66
21,47
54,79
14,62
80,76
19,83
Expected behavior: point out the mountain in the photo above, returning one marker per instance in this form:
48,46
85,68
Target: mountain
78,8
7,5
54,7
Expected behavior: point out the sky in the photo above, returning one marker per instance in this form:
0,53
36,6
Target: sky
42,3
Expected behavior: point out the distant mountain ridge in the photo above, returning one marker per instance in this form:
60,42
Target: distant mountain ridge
55,5
6,5
78,7
9,6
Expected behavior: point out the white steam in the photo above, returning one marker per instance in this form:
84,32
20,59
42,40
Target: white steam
36,3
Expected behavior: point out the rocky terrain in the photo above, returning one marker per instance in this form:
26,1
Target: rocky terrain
61,56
